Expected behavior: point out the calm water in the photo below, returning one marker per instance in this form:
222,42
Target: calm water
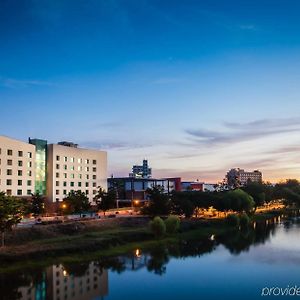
234,266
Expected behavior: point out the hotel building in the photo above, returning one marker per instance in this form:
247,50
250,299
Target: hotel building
240,177
52,170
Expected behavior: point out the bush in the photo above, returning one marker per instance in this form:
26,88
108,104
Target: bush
172,224
233,220
244,221
158,227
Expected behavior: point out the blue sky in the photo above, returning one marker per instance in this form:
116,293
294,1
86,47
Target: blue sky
196,87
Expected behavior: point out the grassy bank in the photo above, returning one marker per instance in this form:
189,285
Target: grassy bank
84,241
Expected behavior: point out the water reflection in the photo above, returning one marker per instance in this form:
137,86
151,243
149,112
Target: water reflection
90,280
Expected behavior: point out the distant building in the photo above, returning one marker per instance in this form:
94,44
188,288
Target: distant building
131,188
239,177
142,171
197,186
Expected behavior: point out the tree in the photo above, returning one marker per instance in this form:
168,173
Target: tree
37,206
11,211
158,227
159,202
172,224
105,200
182,206
76,202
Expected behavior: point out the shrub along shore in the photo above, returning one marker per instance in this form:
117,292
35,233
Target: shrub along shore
77,241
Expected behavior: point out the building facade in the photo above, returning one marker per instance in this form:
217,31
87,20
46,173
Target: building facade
17,167
239,177
52,170
141,171
71,169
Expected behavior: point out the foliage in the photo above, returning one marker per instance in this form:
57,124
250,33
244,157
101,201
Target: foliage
159,202
172,224
233,220
76,202
11,211
244,221
158,227
37,206
238,200
105,200
182,206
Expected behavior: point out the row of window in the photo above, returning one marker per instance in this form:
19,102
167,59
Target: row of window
72,183
65,192
20,172
19,192
79,168
20,163
79,160
20,182
20,153
65,175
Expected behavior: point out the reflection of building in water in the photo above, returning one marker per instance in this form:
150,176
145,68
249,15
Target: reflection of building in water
73,283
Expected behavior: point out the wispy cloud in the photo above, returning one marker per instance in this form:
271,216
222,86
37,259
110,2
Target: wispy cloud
22,83
240,132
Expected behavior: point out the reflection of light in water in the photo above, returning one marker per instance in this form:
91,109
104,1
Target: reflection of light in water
65,273
137,253
212,237
254,225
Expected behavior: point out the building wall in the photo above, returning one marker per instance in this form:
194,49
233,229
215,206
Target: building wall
17,167
70,168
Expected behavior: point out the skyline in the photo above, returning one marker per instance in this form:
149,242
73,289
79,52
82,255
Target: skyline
196,88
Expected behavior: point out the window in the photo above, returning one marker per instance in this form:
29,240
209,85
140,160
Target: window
86,192
9,172
64,183
94,192
94,184
87,169
94,162
57,192
20,153
65,167
8,192
79,184
79,168
9,152
94,177
72,183
80,176
72,176
86,184
65,175
19,182
29,182
29,155
94,169
57,157
29,173
28,192
72,168
65,192
79,160
65,159
57,175
72,159
57,166
57,183
19,192
29,164
9,162
20,172
87,176
8,181
20,163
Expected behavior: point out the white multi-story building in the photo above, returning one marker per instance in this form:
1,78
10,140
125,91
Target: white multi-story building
52,170
237,177
71,169
17,167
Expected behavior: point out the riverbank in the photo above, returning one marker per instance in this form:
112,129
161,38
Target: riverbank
79,241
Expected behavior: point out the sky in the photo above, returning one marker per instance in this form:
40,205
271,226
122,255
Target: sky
196,87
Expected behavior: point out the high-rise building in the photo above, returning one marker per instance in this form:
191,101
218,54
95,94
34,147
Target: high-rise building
70,168
239,177
52,170
17,167
141,171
